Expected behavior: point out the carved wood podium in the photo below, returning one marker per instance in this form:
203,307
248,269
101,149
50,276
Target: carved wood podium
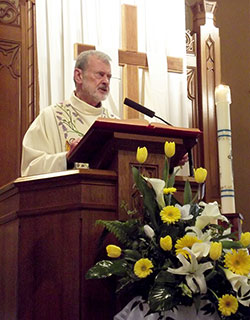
48,237
112,144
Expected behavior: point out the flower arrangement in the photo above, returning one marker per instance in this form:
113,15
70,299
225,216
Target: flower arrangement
177,254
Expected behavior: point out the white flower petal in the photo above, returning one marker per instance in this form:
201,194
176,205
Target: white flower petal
158,186
149,231
201,249
184,211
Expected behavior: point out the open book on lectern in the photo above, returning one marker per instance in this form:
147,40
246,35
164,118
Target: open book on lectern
106,136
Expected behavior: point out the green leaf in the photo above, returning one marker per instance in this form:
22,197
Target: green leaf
161,298
148,194
165,277
100,270
187,193
138,180
132,255
106,268
119,267
120,229
231,244
171,180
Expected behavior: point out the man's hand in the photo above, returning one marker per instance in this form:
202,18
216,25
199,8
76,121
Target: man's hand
72,146
183,160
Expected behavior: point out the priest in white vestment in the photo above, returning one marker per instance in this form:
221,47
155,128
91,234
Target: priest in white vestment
58,128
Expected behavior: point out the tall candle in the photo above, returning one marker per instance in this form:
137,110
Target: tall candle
223,101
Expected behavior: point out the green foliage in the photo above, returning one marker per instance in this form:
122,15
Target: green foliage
121,230
107,268
187,193
148,194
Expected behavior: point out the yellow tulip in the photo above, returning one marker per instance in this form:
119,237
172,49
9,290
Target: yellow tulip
245,239
215,250
169,149
113,251
142,154
200,175
166,243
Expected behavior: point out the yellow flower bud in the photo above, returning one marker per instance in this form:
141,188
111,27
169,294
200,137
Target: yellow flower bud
113,251
142,154
215,250
166,243
200,175
169,149
245,239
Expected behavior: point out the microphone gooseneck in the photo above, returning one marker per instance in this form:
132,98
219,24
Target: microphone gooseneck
143,110
151,114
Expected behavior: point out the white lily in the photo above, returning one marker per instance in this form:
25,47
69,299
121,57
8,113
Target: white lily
193,271
203,236
239,282
158,186
184,211
210,214
201,250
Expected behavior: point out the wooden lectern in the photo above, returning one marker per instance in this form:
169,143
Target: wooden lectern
48,237
112,144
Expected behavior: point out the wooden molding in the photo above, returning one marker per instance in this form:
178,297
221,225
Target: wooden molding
10,57
10,12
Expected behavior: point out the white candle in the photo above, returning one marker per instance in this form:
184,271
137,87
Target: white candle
222,101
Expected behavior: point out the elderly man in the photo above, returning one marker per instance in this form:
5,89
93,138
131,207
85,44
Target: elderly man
58,128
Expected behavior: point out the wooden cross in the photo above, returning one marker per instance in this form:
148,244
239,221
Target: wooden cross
130,59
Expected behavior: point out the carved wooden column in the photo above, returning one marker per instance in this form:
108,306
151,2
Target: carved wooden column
208,72
18,81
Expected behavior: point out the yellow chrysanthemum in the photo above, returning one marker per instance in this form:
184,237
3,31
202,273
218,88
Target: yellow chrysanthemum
186,241
169,149
142,154
113,251
215,250
143,268
169,190
228,304
238,262
245,239
200,175
166,243
170,214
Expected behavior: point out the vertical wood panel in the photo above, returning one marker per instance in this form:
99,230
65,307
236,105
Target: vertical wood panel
130,76
8,271
208,67
18,82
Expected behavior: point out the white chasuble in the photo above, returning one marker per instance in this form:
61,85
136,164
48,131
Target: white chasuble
46,142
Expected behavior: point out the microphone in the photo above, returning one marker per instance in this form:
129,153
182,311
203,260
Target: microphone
151,114
134,105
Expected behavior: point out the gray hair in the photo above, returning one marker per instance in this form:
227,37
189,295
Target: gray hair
82,59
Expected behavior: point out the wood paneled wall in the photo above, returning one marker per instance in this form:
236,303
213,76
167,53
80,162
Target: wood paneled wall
18,81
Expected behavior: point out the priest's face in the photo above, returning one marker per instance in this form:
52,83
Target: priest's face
94,81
